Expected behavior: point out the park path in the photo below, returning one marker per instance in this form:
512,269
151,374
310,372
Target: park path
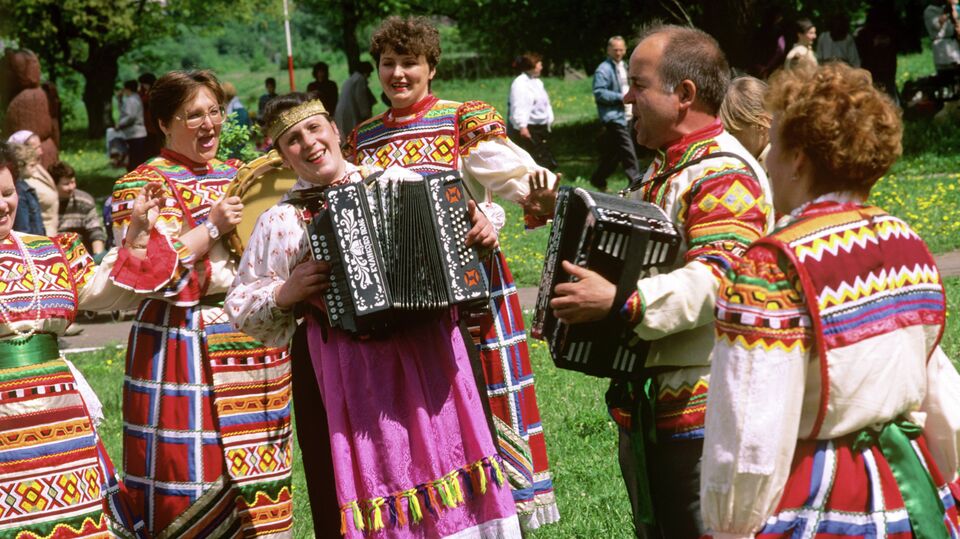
102,331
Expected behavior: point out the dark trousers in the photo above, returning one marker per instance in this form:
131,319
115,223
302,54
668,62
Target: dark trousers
313,436
674,472
536,145
137,152
616,148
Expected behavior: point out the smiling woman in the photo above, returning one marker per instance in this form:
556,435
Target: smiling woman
189,380
426,134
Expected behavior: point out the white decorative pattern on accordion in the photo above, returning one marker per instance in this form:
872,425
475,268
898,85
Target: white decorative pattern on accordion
357,249
397,247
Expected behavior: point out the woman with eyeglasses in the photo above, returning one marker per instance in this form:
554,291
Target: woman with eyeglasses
206,416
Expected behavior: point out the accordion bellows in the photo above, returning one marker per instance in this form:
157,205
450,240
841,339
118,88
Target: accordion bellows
398,252
622,240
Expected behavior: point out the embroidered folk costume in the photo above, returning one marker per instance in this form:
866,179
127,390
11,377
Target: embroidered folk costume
435,135
207,435
719,204
412,453
832,410
56,479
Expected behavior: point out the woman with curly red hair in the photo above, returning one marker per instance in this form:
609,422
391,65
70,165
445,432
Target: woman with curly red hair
832,411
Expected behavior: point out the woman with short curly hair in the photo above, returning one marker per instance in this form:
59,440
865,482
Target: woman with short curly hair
427,134
832,409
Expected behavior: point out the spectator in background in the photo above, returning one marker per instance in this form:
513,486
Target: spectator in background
356,101
234,105
530,112
271,86
325,88
940,19
801,56
877,44
769,43
29,152
78,211
744,116
131,125
28,218
837,43
609,86
154,136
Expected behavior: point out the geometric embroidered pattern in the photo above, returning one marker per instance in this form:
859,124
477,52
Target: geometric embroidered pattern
206,408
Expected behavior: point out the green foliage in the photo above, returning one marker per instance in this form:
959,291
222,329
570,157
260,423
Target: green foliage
236,141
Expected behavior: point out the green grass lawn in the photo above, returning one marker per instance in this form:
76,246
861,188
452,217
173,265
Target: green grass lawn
581,439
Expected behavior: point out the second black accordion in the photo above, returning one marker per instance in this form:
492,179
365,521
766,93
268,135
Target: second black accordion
620,239
397,248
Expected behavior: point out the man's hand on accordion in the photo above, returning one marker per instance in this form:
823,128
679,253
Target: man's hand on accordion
482,235
588,299
308,278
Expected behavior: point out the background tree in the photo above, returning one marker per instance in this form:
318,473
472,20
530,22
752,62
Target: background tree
90,36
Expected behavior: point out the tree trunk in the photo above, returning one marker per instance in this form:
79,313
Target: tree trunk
351,19
729,21
99,72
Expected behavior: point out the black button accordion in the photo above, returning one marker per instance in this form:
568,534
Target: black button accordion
397,250
622,240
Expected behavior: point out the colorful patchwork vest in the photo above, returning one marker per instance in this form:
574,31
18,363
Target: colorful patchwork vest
864,273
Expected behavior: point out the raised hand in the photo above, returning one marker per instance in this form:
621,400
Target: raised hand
146,209
542,198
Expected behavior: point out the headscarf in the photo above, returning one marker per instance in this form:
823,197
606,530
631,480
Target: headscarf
20,137
291,117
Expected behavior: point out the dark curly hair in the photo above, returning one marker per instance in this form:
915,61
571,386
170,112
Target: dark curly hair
850,131
407,35
61,170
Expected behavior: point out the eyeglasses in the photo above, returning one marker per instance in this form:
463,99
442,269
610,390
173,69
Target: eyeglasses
195,119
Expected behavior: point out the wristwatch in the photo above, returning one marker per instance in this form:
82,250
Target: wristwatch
212,229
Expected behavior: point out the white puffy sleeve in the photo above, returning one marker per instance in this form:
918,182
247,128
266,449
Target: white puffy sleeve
942,408
276,246
488,159
756,393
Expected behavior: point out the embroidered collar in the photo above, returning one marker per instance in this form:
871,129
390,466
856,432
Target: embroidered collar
690,146
413,112
180,159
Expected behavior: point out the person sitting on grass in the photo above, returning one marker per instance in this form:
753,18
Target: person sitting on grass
78,211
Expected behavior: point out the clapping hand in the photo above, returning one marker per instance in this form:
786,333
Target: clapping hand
146,209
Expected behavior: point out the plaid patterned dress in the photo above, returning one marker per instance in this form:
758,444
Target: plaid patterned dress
434,136
207,435
827,344
56,479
